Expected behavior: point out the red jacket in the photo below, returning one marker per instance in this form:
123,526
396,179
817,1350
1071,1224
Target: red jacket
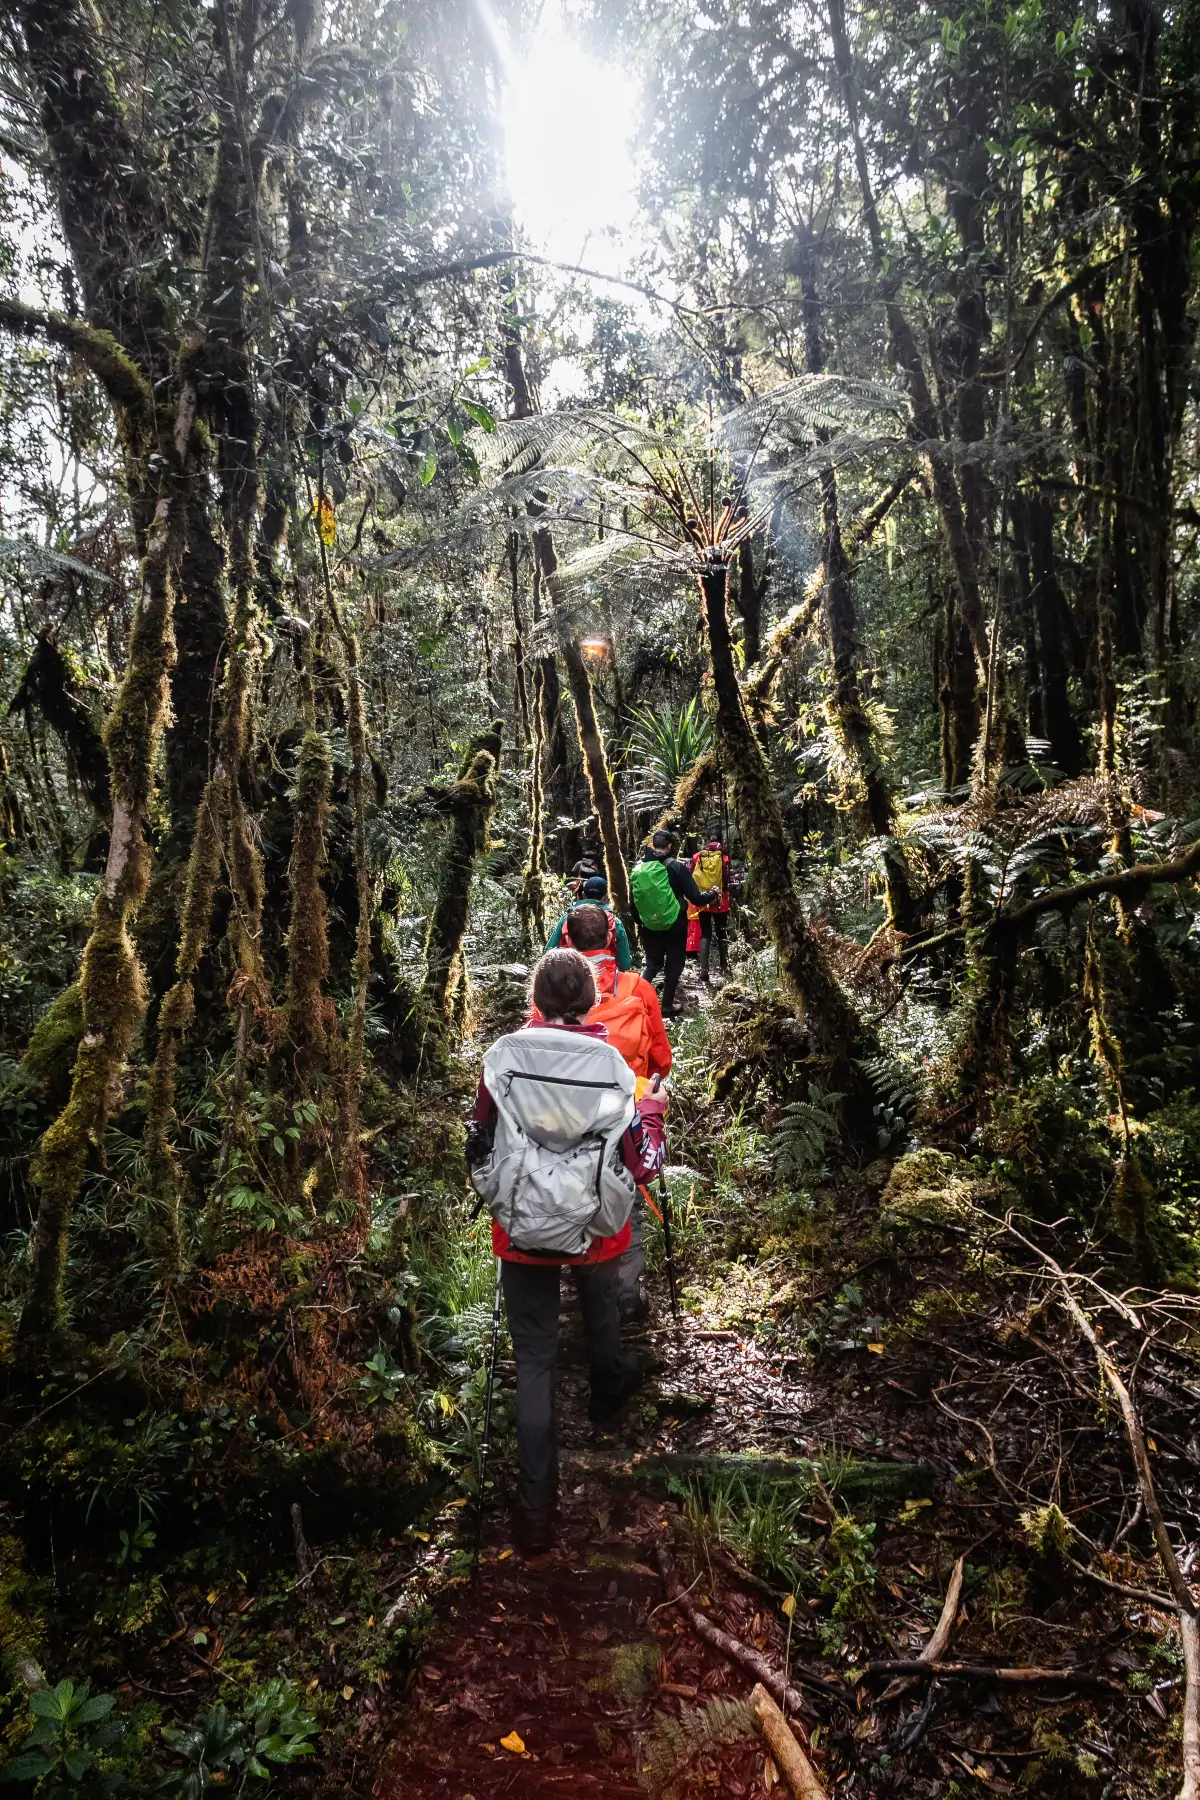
642,1149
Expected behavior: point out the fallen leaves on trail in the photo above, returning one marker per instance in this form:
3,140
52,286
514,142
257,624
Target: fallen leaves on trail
514,1742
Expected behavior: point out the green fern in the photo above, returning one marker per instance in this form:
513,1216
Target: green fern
897,1090
803,1136
670,1746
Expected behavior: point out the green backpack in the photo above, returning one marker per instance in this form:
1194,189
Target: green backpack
655,899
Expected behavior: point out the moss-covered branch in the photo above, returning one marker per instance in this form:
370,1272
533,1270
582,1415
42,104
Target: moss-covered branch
99,351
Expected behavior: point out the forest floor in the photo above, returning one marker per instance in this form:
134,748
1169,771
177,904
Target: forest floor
949,1410
870,1380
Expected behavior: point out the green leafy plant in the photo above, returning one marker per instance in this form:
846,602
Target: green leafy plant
663,746
135,1543
382,1381
72,1730
223,1748
848,1578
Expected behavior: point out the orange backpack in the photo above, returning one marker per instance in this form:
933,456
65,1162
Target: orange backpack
622,1011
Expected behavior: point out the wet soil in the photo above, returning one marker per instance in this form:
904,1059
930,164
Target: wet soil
577,1651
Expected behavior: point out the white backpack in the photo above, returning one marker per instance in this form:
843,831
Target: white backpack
555,1179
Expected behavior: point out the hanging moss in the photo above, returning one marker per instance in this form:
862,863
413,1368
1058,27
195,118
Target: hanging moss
165,1233
353,1166
51,1049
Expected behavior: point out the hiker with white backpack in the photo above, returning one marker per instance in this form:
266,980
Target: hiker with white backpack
556,1148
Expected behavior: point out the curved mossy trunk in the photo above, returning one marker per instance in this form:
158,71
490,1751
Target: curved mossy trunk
112,981
809,981
469,803
690,796
600,787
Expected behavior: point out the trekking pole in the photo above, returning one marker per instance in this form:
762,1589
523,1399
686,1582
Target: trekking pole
670,1253
486,1444
668,1248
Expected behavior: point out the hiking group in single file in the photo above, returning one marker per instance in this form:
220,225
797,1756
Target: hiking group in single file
569,1127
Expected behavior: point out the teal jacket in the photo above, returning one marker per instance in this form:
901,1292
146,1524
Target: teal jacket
621,944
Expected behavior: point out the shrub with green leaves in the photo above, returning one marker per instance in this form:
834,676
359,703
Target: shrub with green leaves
64,1754
224,1749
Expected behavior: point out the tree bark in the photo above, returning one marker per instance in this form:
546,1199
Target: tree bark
804,967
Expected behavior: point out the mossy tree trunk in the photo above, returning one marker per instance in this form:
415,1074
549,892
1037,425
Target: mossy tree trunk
804,969
533,880
112,980
469,803
591,741
873,800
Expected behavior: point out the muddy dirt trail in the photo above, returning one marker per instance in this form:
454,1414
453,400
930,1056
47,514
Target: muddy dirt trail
548,1672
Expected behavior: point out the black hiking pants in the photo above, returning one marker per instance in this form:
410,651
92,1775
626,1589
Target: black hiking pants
531,1302
666,951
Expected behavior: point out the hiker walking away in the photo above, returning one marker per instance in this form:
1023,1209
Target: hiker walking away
556,1146
710,867
662,886
627,1007
595,894
585,870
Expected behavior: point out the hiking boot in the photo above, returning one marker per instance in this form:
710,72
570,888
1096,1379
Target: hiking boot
602,1408
533,1529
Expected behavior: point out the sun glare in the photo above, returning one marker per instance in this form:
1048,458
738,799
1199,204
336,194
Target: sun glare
568,121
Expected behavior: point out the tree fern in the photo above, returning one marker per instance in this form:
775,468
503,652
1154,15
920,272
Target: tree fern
670,1746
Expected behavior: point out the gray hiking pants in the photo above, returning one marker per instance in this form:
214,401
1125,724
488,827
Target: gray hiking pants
531,1302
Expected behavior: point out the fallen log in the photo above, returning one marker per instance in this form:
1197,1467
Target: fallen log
881,1482
730,1647
781,1741
963,1671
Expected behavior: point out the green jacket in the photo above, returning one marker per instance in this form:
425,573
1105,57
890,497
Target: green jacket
621,944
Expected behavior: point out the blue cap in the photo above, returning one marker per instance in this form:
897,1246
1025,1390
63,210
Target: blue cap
595,888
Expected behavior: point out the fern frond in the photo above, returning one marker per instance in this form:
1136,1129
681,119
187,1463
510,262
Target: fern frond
670,1745
805,406
41,561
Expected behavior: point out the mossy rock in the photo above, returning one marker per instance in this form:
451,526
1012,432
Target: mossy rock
929,1184
633,1671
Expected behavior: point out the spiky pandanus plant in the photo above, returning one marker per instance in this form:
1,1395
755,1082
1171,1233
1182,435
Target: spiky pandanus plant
691,499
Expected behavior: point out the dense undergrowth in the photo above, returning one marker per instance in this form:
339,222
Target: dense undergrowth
232,1501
